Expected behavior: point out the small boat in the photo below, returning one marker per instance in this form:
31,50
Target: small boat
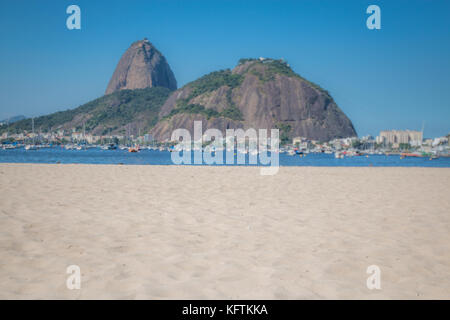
134,149
404,155
353,153
339,155
111,146
431,156
30,147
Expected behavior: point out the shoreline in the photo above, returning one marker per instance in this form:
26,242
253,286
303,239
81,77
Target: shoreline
214,165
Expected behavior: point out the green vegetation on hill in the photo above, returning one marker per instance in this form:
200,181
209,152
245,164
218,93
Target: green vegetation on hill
231,112
214,81
285,129
125,106
280,67
273,67
208,83
108,112
244,60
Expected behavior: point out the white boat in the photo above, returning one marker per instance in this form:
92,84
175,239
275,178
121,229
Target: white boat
30,147
339,155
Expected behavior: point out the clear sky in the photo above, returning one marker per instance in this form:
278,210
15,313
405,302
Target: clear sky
394,78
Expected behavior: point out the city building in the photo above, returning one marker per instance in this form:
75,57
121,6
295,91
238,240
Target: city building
397,137
302,143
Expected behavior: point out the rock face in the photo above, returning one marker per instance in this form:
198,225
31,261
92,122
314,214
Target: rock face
142,66
259,94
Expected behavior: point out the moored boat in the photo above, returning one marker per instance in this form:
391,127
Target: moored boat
30,147
134,149
339,155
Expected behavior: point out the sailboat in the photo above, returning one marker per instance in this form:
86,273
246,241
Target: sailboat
83,141
32,146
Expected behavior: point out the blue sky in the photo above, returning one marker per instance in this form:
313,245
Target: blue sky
396,77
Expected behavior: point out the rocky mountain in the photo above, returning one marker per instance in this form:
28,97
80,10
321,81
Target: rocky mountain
257,93
142,66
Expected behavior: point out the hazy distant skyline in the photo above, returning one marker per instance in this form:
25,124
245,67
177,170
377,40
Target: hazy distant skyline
394,78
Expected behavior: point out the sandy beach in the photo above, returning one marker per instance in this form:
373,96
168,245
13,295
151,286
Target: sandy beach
169,232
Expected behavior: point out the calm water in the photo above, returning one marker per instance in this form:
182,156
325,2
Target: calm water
151,157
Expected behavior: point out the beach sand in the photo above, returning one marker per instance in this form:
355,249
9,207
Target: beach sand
169,232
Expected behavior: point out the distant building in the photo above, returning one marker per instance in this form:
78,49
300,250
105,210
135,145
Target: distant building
302,143
396,137
77,135
440,141
298,140
91,138
367,138
148,137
